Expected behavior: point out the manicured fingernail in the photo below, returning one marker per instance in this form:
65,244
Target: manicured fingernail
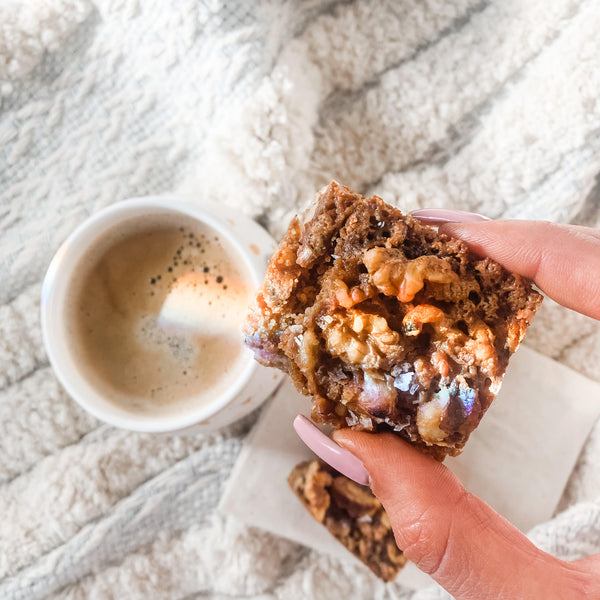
333,454
440,215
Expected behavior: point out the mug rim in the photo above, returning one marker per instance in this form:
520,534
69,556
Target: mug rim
107,218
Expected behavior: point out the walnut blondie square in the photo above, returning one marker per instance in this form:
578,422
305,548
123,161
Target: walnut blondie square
387,324
351,513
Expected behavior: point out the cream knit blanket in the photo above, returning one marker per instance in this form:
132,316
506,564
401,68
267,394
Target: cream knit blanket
485,105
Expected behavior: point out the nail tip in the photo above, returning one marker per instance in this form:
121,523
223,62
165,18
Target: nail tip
300,421
329,451
442,215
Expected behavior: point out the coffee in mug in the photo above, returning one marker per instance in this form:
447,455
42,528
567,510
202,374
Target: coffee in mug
157,312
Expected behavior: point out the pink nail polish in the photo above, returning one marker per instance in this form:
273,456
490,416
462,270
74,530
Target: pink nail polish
330,452
440,215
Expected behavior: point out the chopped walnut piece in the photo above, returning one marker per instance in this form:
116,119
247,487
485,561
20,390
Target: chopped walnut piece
356,499
308,344
412,324
354,516
358,338
316,482
481,347
424,372
394,275
349,297
342,295
341,529
387,267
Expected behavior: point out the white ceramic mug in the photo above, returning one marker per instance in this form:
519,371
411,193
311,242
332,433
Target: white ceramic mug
250,387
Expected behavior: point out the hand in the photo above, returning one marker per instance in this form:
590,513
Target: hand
466,546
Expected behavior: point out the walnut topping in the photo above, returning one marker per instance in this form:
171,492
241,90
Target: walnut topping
394,275
412,324
475,348
355,499
342,530
347,298
308,349
481,348
424,372
358,338
315,491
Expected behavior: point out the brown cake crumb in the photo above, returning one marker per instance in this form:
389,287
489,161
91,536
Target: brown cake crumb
351,514
387,324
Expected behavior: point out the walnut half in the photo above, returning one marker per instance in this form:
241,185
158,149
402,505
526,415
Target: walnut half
358,338
395,275
412,324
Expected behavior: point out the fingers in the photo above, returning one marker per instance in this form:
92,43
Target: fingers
459,540
563,260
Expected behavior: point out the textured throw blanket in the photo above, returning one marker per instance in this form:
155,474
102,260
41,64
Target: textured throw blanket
484,105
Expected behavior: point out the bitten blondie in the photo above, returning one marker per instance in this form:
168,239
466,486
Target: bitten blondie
387,324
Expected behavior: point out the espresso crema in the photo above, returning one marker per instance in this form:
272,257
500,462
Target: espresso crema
158,309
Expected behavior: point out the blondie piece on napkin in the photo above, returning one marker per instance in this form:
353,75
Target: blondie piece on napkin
351,514
387,324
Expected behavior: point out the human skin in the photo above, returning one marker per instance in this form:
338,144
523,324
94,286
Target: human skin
468,548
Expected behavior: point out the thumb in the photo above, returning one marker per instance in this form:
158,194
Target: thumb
460,541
